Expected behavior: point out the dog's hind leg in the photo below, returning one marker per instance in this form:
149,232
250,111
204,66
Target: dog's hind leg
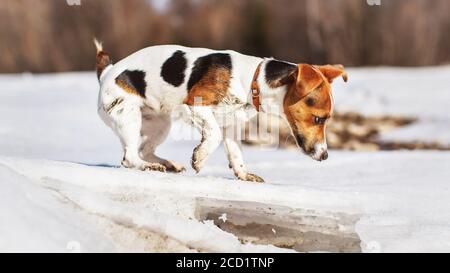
124,116
169,165
155,129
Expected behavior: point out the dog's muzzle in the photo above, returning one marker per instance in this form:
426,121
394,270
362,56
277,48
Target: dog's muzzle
320,152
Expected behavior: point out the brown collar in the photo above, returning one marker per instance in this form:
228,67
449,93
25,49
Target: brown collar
255,88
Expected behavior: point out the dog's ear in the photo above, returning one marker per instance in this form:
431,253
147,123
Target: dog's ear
331,72
308,79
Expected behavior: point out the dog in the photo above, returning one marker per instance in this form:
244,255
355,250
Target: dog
139,93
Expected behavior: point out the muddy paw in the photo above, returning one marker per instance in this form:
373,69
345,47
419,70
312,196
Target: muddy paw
155,167
195,166
252,178
175,168
195,162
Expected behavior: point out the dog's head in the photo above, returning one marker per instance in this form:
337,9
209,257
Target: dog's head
308,105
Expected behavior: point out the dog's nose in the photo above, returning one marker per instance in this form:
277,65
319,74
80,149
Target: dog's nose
324,156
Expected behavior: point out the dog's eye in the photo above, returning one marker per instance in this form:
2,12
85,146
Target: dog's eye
319,120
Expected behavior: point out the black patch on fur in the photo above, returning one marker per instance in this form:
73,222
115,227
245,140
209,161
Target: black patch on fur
310,102
135,80
300,141
203,64
115,103
173,69
278,72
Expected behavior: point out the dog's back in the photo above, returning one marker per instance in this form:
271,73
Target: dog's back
167,75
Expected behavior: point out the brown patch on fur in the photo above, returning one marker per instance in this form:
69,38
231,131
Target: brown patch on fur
103,60
212,88
308,79
331,72
127,88
311,85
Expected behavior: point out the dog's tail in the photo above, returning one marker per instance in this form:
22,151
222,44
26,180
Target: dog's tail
103,59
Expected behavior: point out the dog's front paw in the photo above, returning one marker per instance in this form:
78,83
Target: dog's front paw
251,178
155,167
195,165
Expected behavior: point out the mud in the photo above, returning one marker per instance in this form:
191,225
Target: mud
298,229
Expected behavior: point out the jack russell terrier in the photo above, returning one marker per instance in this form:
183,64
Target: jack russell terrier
138,94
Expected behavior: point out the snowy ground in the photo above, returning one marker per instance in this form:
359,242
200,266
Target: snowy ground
60,189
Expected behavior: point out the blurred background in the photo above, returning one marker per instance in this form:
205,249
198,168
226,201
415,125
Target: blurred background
53,36
396,55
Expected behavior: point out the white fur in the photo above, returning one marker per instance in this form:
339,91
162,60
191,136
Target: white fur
142,124
319,150
98,45
234,155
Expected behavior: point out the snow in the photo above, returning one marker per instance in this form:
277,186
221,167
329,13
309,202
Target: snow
61,189
34,220
54,117
419,92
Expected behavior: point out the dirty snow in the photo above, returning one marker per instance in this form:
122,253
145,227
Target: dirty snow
61,189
